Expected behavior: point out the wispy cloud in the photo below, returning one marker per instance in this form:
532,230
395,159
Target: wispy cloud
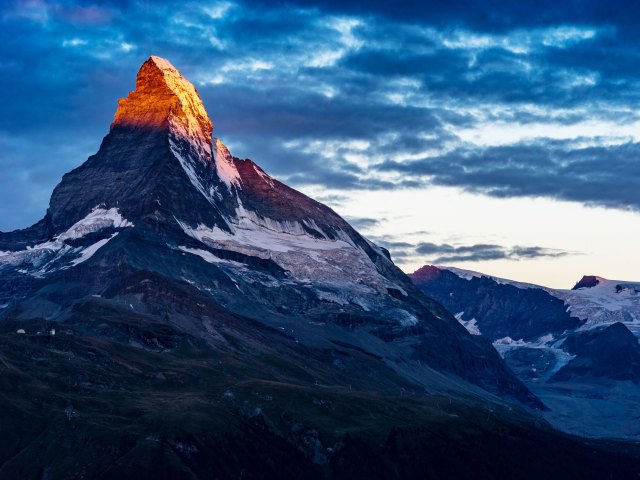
445,253
406,252
599,175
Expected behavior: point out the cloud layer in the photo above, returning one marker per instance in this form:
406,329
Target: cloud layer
407,252
445,253
503,98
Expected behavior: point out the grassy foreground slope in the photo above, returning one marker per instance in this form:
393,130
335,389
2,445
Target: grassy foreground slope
119,395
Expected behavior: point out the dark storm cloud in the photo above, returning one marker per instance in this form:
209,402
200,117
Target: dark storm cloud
294,113
486,15
445,253
605,176
341,95
521,73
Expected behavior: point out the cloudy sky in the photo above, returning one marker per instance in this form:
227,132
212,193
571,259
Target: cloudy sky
497,136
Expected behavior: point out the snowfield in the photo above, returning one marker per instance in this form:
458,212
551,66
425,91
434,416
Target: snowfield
608,302
56,254
328,265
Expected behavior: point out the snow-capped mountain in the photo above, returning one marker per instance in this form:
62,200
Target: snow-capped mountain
599,302
595,301
162,201
179,313
565,344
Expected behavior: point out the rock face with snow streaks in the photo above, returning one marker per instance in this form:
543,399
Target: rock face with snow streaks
212,322
162,201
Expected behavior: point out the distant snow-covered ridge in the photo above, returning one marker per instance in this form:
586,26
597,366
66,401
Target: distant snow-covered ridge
608,302
577,349
523,316
605,303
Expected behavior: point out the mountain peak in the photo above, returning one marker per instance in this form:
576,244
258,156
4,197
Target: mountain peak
587,281
164,98
425,273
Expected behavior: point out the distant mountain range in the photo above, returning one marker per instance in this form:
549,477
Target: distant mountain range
577,349
179,313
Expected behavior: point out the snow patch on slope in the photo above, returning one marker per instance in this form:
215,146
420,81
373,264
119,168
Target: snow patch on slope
405,318
268,180
43,258
225,166
210,257
88,252
99,219
187,164
547,343
470,325
510,342
326,264
250,231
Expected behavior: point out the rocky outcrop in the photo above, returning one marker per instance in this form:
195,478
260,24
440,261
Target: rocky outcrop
610,352
587,281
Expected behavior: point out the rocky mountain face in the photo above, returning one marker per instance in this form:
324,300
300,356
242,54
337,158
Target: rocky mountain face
188,316
575,348
604,352
161,202
500,309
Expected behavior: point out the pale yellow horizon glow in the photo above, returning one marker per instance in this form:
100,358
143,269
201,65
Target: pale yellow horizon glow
603,241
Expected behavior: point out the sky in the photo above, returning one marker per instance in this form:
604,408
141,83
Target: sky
496,136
